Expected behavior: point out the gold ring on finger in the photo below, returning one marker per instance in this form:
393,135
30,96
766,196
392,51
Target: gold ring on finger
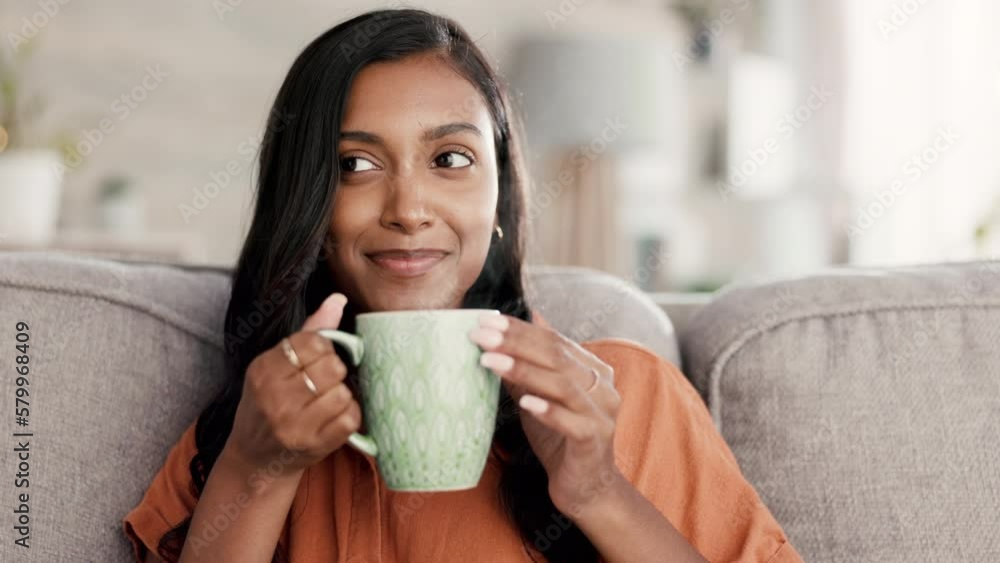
597,379
309,383
293,358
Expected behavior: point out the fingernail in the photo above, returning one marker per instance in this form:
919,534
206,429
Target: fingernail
486,337
534,404
339,298
498,322
499,363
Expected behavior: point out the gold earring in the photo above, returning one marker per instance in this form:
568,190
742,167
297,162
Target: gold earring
499,232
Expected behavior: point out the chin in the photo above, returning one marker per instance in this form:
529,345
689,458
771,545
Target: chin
441,288
409,299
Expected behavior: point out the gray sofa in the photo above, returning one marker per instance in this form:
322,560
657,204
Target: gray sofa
863,405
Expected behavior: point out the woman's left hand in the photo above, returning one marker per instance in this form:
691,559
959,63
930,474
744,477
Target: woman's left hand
572,401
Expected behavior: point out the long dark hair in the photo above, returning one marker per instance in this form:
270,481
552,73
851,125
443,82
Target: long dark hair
281,277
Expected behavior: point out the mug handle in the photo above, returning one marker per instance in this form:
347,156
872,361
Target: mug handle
356,347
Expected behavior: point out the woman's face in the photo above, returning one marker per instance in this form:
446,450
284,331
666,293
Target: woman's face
415,208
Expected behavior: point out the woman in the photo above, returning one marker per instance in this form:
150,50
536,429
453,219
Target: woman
390,178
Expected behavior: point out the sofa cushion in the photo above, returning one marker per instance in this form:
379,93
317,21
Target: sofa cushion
124,356
865,407
121,360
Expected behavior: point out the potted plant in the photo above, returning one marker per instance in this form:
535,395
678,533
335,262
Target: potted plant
31,169
119,207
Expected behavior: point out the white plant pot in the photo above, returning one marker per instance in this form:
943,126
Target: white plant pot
121,215
30,190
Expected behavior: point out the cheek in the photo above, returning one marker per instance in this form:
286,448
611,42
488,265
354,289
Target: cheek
476,231
348,221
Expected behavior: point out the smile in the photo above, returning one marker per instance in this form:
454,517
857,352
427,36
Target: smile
407,263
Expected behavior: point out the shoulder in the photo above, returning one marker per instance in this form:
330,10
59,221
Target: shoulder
659,405
622,350
667,446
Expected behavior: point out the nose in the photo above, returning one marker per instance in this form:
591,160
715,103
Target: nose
406,209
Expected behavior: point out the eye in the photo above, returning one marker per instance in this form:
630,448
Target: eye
355,164
453,159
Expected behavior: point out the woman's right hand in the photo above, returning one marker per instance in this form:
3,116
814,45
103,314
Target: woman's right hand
278,417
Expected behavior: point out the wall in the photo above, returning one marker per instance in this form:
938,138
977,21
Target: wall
216,72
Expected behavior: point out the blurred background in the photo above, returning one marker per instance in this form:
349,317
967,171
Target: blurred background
679,144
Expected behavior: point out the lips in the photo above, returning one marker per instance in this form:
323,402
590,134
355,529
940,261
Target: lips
407,263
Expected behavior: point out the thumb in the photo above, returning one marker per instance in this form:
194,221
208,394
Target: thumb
328,315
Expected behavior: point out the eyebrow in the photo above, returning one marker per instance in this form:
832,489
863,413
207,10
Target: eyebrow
428,135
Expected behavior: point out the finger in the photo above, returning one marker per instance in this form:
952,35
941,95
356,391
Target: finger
554,386
307,348
539,345
602,390
542,346
514,337
548,348
287,393
341,426
328,315
588,358
324,409
326,372
580,428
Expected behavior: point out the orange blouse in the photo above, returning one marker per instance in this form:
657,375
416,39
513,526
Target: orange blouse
665,444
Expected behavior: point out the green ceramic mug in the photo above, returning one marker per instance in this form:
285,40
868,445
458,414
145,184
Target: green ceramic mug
429,407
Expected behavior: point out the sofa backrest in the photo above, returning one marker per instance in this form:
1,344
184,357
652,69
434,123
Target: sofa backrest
864,405
123,357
